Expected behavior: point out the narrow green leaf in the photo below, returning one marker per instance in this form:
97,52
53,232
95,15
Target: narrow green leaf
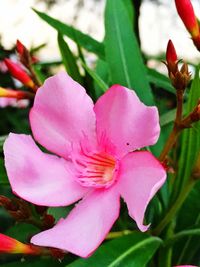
190,143
182,234
3,176
95,77
69,60
170,115
102,71
123,55
160,80
129,7
133,250
2,140
41,77
188,217
77,36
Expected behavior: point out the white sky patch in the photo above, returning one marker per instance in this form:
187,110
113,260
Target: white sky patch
158,24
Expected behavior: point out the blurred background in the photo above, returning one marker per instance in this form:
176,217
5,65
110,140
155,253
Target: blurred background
158,22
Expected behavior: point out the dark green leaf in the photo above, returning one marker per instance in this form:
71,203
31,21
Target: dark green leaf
160,80
22,231
190,143
95,77
102,71
33,263
59,212
3,176
188,217
134,250
2,140
77,36
69,60
170,115
122,52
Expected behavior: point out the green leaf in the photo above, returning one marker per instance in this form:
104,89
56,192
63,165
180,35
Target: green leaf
2,140
33,263
134,250
102,71
59,212
69,60
95,77
170,115
160,80
123,55
190,142
189,214
3,176
22,231
129,7
77,36
188,217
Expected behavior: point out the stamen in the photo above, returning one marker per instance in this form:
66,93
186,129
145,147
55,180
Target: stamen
96,169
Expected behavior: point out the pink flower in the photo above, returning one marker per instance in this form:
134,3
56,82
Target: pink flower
96,161
186,266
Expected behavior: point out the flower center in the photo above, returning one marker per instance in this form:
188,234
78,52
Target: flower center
96,169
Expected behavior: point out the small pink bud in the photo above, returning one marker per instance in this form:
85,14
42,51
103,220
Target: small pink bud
186,13
171,56
18,73
13,246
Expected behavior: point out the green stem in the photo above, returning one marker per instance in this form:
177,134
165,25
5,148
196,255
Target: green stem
173,210
165,253
112,235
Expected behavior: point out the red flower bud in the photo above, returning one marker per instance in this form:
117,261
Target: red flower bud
20,48
186,13
13,246
171,56
15,94
18,73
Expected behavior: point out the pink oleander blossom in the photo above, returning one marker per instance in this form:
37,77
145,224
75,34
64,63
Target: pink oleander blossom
97,161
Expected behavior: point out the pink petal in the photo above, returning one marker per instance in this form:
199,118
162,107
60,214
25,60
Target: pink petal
86,226
62,114
141,175
125,120
38,177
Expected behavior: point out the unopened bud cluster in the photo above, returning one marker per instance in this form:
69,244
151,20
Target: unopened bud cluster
17,208
179,77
